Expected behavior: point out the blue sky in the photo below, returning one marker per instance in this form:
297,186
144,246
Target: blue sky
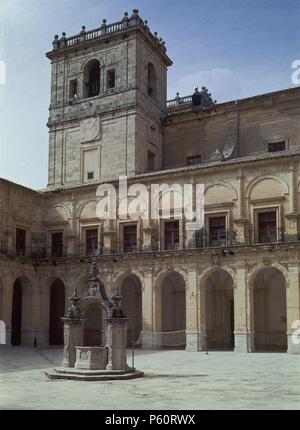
237,48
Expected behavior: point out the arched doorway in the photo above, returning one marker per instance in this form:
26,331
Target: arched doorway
57,311
22,331
92,333
270,311
16,316
131,292
171,306
219,303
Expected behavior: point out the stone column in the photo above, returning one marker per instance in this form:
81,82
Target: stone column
7,306
117,343
73,336
240,312
191,312
293,311
147,312
250,316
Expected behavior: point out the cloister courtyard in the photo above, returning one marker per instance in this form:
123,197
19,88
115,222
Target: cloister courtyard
174,379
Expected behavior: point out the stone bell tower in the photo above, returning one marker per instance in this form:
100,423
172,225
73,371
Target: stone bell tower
108,95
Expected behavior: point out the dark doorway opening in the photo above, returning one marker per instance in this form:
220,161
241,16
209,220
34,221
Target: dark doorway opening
57,311
16,318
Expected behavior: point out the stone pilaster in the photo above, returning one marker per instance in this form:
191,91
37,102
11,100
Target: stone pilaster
147,312
73,336
293,312
191,312
240,312
117,343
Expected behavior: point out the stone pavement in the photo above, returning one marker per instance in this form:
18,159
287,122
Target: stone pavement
173,380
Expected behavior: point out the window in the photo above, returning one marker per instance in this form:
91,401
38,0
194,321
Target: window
20,241
90,175
92,79
197,159
57,244
151,80
130,238
151,161
217,231
171,235
111,79
276,146
267,227
91,242
73,89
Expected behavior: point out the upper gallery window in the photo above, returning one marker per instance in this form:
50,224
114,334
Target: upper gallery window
151,161
276,146
267,226
20,241
197,159
92,79
217,231
90,176
57,244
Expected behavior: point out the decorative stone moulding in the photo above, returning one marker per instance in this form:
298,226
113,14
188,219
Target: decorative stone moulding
91,357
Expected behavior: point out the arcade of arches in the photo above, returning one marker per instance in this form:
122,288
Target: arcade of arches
216,309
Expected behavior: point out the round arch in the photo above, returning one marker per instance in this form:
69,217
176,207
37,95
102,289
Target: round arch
256,180
207,272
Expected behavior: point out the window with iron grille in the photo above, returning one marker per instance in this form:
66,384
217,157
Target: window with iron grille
172,235
57,244
217,231
91,242
130,238
267,227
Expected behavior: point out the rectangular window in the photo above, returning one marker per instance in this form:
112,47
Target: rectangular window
130,238
197,159
276,146
172,235
217,231
20,241
151,160
267,227
57,244
91,242
111,79
73,89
